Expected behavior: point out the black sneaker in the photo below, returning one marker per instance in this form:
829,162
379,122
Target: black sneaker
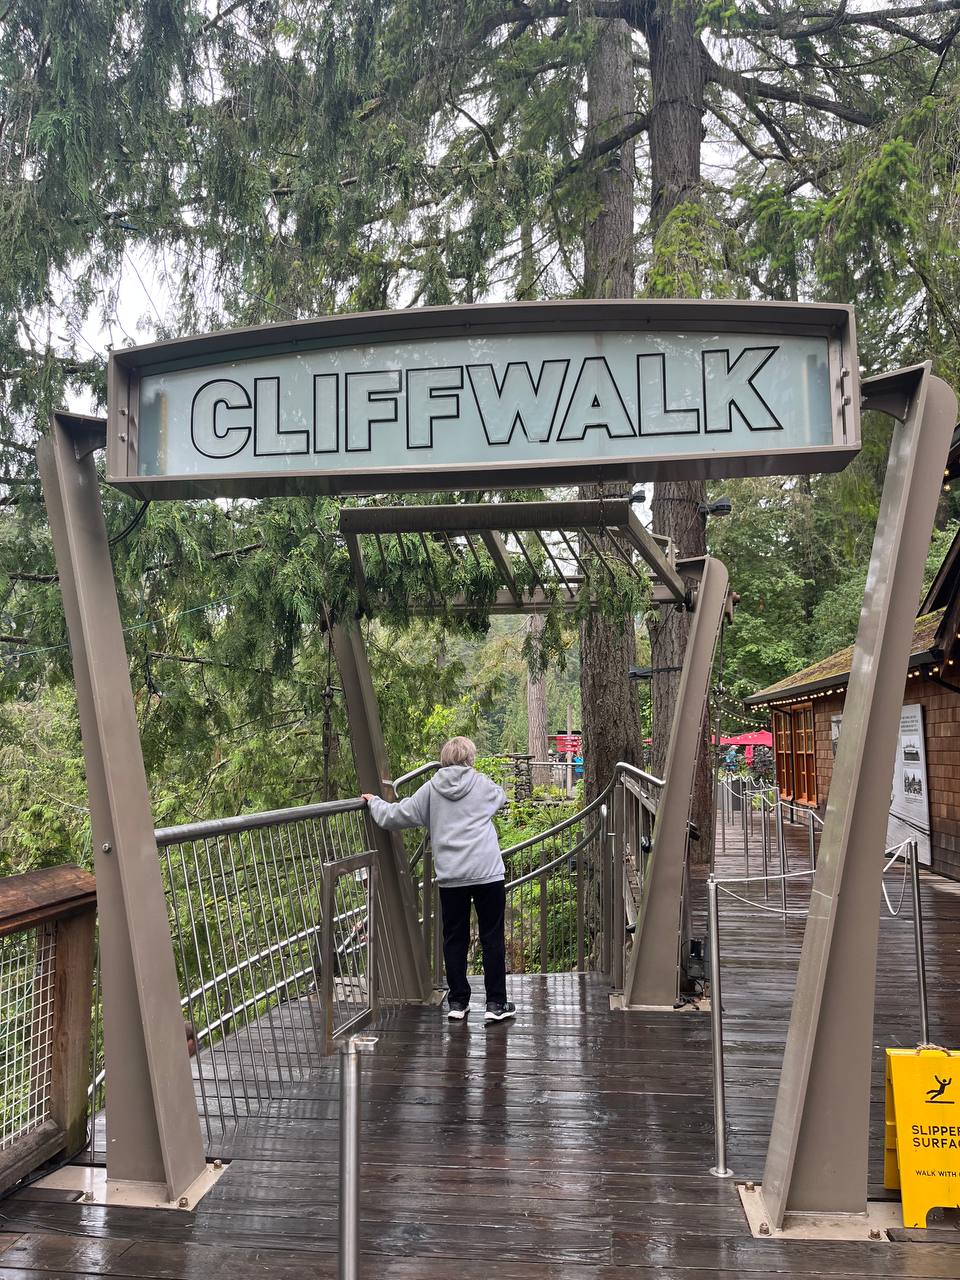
497,1012
457,1011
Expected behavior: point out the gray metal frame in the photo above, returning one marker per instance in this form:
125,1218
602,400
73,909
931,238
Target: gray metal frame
817,1157
333,1034
835,322
153,1129
653,974
577,522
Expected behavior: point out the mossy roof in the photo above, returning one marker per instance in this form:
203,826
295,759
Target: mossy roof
836,668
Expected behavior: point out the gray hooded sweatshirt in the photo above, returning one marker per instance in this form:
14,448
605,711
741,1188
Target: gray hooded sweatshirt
457,806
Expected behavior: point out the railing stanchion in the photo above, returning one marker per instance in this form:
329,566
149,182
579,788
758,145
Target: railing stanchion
617,866
918,945
719,1169
813,847
783,876
765,850
605,887
349,1218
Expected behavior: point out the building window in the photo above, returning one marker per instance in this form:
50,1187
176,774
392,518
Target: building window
783,753
804,756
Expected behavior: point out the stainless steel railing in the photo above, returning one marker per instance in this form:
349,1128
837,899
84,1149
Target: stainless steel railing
273,919
573,890
905,853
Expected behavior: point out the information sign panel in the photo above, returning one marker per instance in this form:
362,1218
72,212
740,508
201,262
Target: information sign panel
923,1130
488,397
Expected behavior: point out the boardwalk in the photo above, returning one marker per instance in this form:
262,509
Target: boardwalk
572,1144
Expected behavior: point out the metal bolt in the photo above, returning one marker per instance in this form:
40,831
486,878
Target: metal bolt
122,436
107,847
875,1233
123,413
749,1186
218,1164
764,1228
88,1197
183,1203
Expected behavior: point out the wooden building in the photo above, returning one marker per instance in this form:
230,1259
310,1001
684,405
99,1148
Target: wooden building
806,711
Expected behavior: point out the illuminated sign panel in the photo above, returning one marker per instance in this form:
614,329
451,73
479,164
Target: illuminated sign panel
487,397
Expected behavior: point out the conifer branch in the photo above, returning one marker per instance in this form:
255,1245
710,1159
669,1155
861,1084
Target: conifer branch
748,88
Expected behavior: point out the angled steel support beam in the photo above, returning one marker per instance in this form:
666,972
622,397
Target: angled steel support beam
654,555
653,974
397,895
499,555
153,1129
817,1157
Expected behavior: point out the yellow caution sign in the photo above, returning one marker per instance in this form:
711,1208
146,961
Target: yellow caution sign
922,1147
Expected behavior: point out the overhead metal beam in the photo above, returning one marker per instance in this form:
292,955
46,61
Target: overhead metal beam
817,1157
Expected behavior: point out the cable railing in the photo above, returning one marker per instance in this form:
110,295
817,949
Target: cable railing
572,890
906,853
273,921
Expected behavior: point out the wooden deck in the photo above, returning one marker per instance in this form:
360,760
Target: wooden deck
574,1143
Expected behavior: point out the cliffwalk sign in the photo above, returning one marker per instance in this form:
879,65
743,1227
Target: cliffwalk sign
922,1148
481,396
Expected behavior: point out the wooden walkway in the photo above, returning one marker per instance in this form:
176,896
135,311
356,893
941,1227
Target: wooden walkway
574,1143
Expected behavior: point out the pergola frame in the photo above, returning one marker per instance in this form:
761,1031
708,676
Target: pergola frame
569,534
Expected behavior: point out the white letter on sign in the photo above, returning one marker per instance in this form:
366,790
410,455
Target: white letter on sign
269,439
431,397
517,401
366,393
729,386
596,402
656,419
211,436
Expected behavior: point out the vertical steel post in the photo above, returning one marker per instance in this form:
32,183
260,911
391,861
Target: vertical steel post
605,894
617,841
397,892
918,945
653,975
719,1169
784,868
348,1262
813,842
765,853
153,1128
817,1157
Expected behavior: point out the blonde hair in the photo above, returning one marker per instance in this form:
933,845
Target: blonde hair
458,751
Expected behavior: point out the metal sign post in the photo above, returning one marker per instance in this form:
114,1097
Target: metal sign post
817,1157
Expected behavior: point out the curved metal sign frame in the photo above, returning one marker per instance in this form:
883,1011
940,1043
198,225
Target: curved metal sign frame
487,396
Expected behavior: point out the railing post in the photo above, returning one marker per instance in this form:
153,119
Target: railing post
544,903
349,1217
719,1169
918,945
618,869
427,894
605,890
765,851
783,877
813,844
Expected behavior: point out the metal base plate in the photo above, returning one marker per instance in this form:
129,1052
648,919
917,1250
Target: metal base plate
92,1182
618,1004
881,1216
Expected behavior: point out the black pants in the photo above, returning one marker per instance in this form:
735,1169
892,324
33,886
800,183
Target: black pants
489,899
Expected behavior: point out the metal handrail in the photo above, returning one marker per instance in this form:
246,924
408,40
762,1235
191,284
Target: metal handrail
214,827
429,767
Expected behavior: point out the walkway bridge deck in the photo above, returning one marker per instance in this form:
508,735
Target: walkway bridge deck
572,1144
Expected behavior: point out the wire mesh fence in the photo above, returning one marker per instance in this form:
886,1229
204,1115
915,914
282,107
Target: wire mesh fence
27,966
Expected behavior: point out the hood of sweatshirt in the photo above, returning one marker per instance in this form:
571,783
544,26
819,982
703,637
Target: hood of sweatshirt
455,781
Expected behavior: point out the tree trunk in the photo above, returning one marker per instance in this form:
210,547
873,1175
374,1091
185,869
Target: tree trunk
676,134
536,699
610,719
